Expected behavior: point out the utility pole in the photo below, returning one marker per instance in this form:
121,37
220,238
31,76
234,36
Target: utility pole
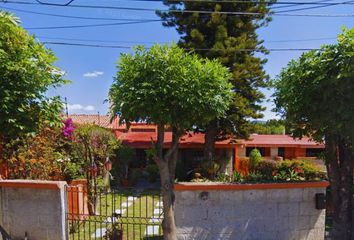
66,107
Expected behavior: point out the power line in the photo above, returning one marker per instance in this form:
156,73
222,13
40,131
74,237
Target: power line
98,40
301,40
218,1
55,4
192,11
315,7
295,5
75,17
90,25
146,42
197,49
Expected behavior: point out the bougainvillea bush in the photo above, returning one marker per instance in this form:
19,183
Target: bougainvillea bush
59,153
41,156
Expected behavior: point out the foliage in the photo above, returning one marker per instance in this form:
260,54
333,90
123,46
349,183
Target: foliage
94,143
40,156
317,88
222,177
254,158
169,87
210,169
124,155
267,168
153,172
270,127
165,85
68,128
237,177
315,95
134,176
226,35
27,72
244,165
271,171
254,176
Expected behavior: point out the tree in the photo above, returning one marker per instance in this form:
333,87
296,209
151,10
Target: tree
91,147
272,126
232,39
174,89
315,96
26,73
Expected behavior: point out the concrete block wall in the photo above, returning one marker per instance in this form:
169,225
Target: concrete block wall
207,213
33,207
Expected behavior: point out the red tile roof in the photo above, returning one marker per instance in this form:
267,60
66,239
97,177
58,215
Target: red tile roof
144,140
280,141
140,135
105,121
100,120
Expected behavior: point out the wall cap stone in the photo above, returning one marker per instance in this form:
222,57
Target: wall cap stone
20,183
205,186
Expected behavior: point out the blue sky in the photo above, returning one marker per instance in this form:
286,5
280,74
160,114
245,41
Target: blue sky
91,70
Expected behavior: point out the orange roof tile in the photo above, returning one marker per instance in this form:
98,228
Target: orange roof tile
280,140
144,140
100,120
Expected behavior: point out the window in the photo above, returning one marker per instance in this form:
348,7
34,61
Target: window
313,152
139,160
281,152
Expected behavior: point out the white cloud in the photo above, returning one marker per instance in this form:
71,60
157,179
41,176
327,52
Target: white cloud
74,107
93,74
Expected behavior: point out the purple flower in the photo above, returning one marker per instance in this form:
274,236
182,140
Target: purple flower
68,128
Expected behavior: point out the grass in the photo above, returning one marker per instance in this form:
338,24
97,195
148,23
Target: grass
133,221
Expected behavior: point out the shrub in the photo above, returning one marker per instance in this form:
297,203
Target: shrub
237,177
124,156
153,172
134,176
254,177
244,165
222,177
267,168
255,158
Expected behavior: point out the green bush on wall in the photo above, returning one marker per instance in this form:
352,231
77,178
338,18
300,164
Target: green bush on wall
255,158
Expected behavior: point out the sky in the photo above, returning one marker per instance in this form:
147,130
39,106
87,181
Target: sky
91,70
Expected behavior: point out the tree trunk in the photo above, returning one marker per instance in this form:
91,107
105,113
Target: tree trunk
209,141
340,171
167,166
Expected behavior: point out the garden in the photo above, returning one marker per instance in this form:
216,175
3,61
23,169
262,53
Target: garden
255,169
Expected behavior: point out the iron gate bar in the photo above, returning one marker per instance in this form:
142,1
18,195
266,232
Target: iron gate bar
137,216
4,234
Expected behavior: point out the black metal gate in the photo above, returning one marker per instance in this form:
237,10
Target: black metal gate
121,214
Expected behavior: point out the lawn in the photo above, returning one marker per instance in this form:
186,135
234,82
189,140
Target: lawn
130,210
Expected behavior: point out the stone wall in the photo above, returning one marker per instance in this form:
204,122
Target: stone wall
33,207
258,211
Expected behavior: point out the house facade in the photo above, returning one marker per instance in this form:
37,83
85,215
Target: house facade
140,136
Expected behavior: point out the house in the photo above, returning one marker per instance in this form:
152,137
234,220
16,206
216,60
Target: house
140,136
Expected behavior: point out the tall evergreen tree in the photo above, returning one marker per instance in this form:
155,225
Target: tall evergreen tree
232,39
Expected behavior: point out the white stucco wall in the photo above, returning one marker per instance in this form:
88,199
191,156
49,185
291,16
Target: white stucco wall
33,207
263,214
